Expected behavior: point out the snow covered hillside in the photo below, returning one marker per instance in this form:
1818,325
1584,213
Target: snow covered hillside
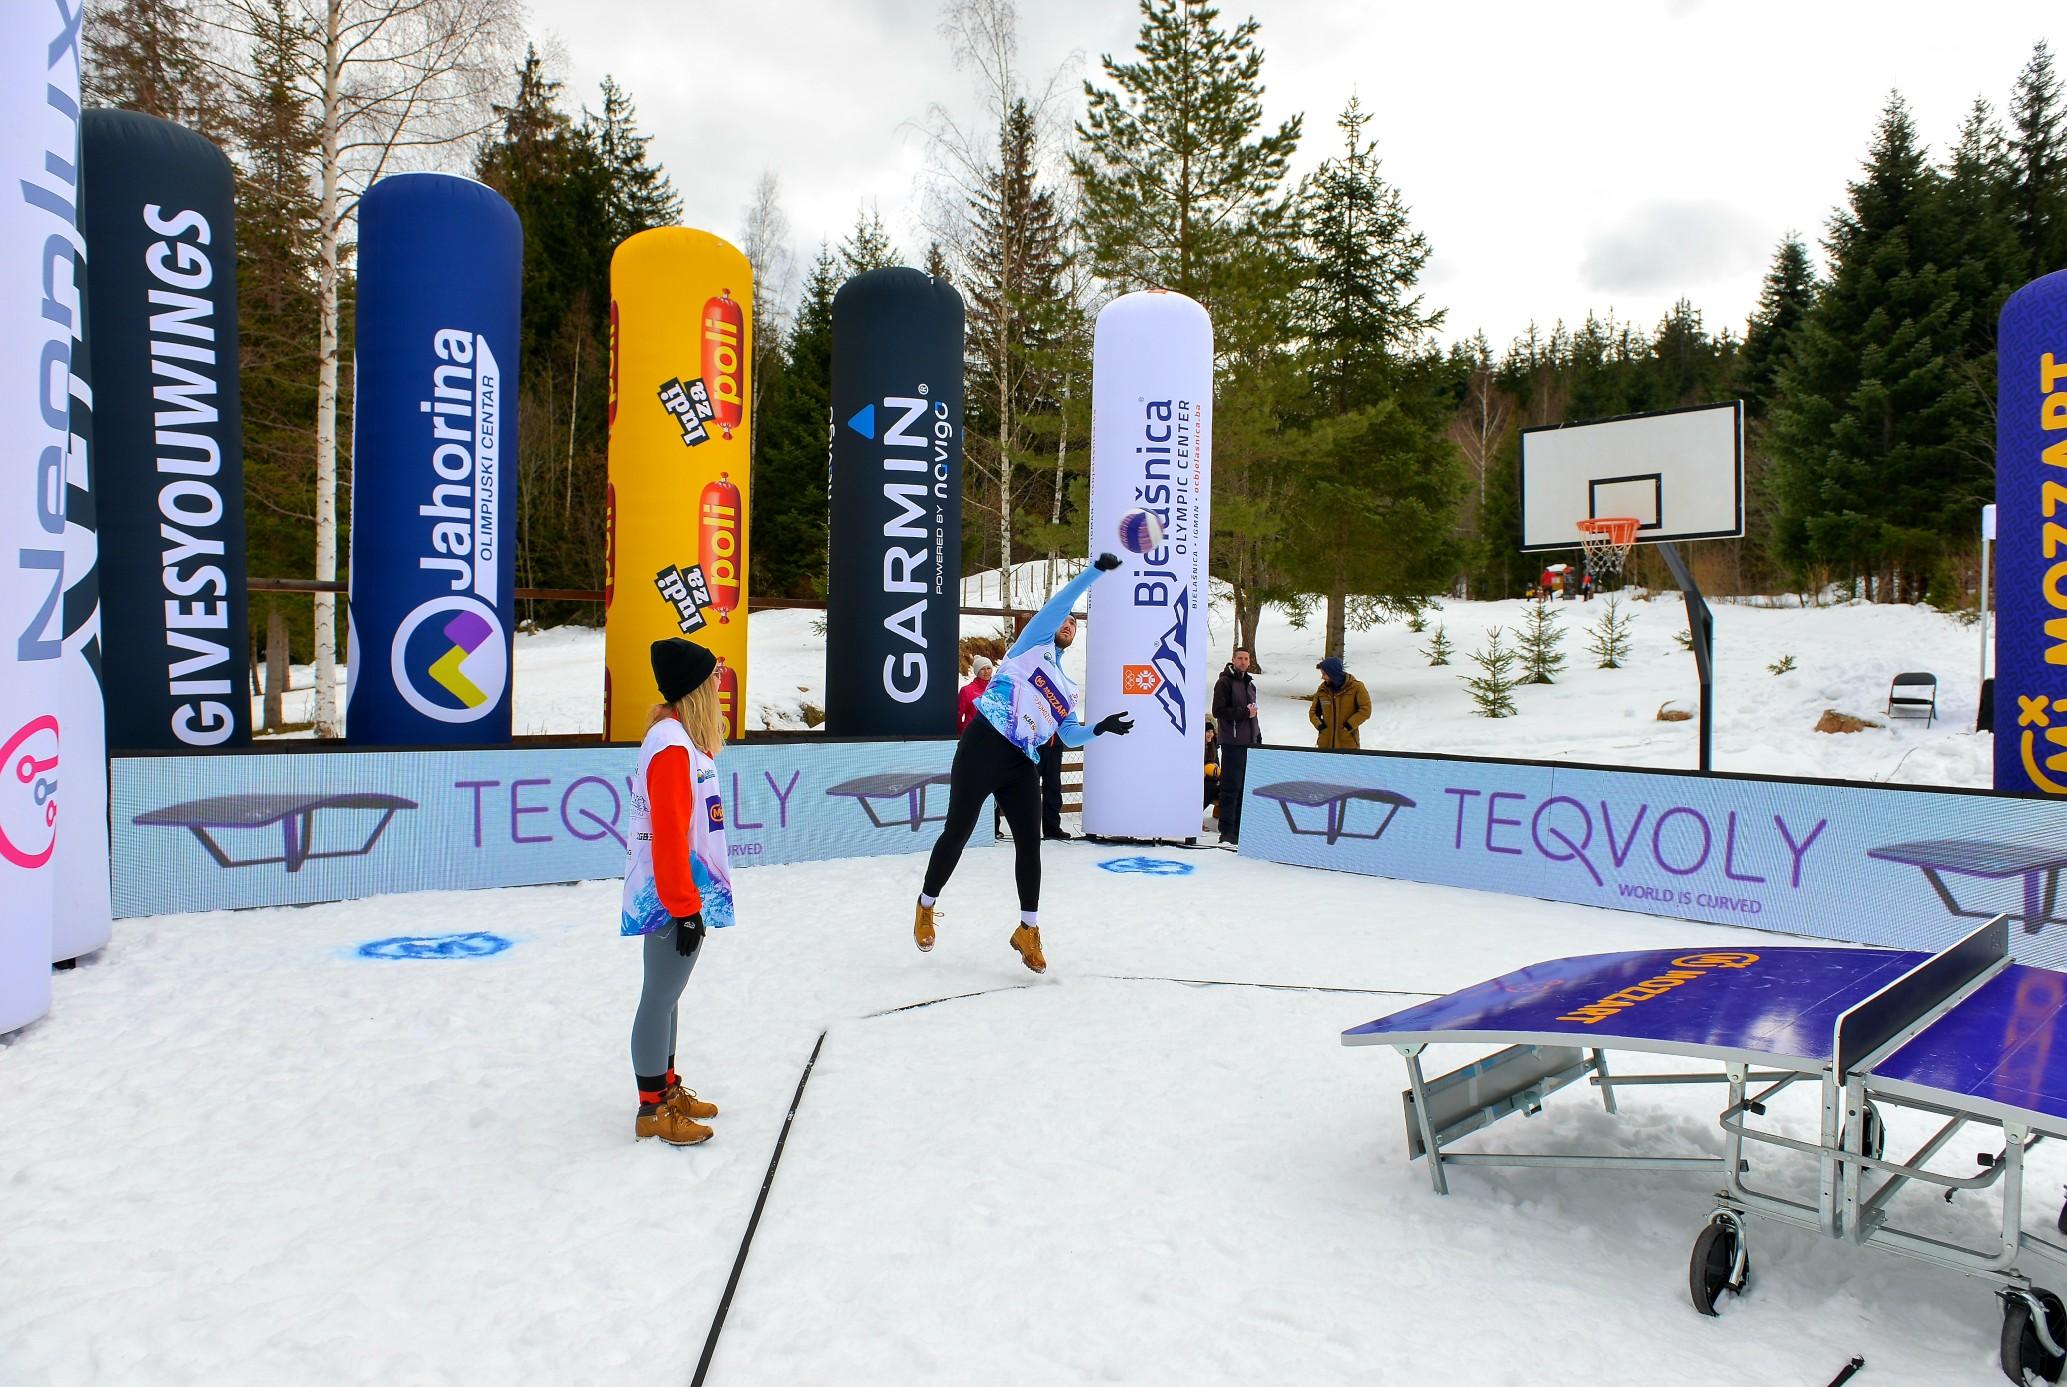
1843,656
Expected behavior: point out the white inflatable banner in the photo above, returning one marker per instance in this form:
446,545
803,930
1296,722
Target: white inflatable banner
40,259
1151,451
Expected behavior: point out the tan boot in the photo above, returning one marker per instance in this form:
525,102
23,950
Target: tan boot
685,1102
922,929
1026,941
671,1125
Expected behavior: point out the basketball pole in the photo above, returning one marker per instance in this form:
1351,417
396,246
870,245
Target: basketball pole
1700,625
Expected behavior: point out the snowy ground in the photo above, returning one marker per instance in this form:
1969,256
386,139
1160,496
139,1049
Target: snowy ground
236,1152
1844,658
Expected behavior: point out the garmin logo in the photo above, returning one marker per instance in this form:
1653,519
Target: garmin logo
916,447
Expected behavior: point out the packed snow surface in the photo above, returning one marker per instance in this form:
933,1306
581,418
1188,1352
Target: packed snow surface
1843,658
239,1152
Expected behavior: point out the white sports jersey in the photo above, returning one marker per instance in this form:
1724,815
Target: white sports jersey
709,865
1028,698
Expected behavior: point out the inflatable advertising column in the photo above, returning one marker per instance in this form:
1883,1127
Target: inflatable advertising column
40,262
2030,560
681,317
1152,451
433,508
168,434
893,629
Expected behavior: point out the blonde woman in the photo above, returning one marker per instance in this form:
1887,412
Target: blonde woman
677,878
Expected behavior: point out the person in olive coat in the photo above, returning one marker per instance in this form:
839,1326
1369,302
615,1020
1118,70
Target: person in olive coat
1340,706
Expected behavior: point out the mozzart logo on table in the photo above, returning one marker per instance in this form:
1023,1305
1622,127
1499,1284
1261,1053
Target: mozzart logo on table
449,656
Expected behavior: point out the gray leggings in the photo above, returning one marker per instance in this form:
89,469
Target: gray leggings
653,1027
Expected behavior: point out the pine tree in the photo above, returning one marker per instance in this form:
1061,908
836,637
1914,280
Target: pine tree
2038,165
868,245
1608,637
1177,180
789,512
638,195
153,56
1538,644
1493,688
1864,433
1788,295
1439,649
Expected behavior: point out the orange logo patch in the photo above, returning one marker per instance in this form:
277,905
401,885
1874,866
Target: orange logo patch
1139,679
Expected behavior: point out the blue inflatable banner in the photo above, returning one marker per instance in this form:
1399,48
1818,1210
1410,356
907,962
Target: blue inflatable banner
433,507
285,828
2031,540
1872,864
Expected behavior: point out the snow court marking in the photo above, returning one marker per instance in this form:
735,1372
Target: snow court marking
1148,866
477,944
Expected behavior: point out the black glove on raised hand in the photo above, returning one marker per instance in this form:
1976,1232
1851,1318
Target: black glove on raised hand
1107,563
689,934
1119,724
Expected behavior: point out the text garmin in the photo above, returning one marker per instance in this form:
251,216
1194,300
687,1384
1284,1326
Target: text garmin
916,447
1168,475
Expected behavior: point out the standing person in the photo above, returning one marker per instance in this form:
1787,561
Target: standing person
1235,715
1340,706
1209,804
1030,699
1586,585
677,877
1051,786
965,701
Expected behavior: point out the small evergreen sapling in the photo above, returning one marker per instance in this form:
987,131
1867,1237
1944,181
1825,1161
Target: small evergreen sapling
1782,665
1608,638
1439,650
1493,689
1537,644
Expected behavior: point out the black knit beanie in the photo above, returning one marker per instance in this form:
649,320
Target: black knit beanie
679,666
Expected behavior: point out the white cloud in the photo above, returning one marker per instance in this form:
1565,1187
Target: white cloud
1673,247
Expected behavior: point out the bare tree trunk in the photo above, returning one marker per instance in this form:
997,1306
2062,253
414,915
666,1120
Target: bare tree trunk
274,713
1338,611
325,713
573,413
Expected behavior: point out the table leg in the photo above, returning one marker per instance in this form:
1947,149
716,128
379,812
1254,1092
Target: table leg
2037,904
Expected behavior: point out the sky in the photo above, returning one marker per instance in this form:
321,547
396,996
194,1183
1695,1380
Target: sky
1560,157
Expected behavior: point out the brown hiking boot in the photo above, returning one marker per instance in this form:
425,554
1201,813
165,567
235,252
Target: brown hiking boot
1026,941
671,1125
685,1102
922,929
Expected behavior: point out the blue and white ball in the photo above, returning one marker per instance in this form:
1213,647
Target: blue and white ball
1140,531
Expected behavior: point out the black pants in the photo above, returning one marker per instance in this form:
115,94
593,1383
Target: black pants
987,764
1234,769
1051,787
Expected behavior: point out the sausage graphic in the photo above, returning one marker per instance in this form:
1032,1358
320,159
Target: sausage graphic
722,360
728,698
717,536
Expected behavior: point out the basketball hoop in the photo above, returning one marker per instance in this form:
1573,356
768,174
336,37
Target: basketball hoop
1607,540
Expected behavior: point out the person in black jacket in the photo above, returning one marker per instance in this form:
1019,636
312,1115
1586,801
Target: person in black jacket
1234,713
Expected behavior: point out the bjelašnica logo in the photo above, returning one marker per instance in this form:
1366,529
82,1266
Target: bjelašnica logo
474,945
1147,866
449,659
28,804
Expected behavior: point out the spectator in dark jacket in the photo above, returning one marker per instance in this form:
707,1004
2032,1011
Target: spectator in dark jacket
1235,717
1212,770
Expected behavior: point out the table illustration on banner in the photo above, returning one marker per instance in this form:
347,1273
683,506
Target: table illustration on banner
1311,794
2037,866
912,785
294,813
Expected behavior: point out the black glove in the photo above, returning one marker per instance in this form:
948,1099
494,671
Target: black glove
689,934
1119,724
1107,563
1320,720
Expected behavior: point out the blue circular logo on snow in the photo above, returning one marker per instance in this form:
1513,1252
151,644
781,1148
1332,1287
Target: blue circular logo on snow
475,945
1147,866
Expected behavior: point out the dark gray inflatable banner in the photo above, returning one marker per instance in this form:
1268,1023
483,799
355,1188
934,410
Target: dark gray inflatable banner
167,433
893,627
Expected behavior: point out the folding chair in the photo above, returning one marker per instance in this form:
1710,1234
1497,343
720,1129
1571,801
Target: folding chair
1901,705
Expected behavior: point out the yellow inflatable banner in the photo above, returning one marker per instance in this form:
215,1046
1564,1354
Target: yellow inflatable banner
681,316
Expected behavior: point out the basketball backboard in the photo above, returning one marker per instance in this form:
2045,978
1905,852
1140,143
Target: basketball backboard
1679,473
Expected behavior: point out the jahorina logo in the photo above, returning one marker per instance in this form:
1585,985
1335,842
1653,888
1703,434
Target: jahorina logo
28,803
450,660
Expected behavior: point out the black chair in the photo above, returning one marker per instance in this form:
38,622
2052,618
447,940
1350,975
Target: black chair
1905,705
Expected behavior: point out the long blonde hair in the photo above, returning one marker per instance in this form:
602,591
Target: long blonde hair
701,715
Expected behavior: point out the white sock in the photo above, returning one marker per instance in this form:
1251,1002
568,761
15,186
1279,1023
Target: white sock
927,900
1026,917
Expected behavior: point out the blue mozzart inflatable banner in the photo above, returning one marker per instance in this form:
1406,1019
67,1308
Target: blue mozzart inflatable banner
433,507
1873,864
285,828
2031,540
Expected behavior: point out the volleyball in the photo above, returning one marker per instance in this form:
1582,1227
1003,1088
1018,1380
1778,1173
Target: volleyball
1140,531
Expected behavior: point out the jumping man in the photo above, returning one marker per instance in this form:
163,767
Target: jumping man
1030,699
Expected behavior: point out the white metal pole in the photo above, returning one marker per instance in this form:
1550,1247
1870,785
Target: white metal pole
1987,535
